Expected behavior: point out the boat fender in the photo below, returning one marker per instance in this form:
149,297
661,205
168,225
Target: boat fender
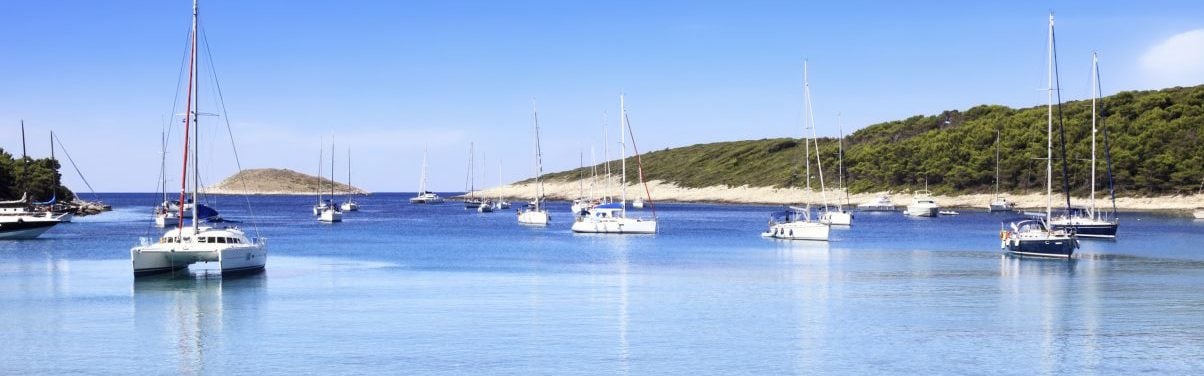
791,232
1003,235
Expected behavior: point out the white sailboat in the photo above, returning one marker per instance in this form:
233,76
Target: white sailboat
350,205
1089,221
796,223
1034,236
535,213
487,205
840,216
230,247
17,219
331,213
322,204
471,202
424,196
1000,203
611,218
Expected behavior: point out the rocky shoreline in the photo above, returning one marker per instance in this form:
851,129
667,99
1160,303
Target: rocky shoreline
567,190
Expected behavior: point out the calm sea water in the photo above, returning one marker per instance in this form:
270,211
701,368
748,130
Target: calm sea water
404,289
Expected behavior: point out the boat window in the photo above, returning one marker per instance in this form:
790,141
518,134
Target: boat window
221,240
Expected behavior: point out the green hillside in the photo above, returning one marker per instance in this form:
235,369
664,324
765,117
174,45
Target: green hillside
1155,139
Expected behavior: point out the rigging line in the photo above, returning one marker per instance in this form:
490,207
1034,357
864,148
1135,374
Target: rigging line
230,132
77,171
1107,149
639,166
1061,125
188,118
171,115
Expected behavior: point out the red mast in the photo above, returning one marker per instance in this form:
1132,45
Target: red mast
188,120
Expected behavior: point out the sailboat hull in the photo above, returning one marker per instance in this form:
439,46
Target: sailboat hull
1055,247
330,216
533,218
841,218
25,227
1105,230
798,230
615,226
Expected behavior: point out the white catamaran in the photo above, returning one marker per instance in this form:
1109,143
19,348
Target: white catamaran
424,196
230,247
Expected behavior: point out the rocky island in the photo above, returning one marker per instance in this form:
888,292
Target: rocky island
276,181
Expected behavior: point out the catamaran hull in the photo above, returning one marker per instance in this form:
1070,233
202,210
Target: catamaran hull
147,261
798,231
25,229
534,218
623,226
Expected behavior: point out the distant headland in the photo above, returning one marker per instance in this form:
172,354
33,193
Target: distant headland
276,181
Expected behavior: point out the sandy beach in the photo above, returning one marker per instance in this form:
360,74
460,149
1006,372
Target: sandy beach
567,190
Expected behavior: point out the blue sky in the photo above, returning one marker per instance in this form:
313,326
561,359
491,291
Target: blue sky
388,78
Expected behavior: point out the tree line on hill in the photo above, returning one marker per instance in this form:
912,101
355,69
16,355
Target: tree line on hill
1154,140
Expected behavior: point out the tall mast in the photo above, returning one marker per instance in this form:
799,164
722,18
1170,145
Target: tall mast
538,157
996,163
55,188
25,162
840,166
196,120
163,164
348,174
594,166
1049,128
332,171
606,157
471,183
806,110
623,153
189,122
321,160
819,164
1094,85
422,176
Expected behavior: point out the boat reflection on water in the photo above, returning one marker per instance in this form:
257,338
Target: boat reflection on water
1011,264
1062,299
184,312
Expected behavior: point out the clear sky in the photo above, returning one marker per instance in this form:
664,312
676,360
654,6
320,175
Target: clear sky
388,78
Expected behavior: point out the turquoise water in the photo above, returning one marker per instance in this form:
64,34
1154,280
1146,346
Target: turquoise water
402,289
